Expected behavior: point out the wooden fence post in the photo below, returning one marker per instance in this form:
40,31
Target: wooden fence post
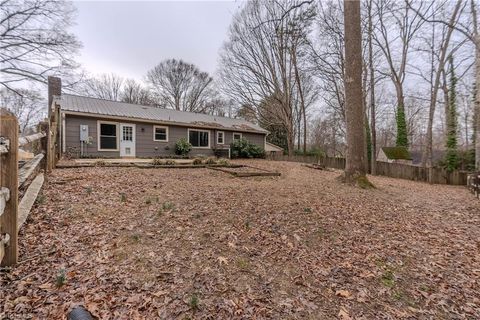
9,179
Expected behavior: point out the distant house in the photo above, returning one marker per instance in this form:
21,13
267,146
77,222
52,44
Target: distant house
394,155
92,127
271,149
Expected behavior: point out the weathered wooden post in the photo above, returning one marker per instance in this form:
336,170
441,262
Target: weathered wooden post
9,186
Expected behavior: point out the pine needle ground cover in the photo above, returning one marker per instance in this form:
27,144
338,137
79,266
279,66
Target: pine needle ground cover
132,243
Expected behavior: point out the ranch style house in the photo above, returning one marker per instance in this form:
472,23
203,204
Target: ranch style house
92,127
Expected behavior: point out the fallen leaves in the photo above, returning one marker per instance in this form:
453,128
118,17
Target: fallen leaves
299,246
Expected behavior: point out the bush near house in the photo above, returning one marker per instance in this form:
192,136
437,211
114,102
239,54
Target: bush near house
244,149
183,147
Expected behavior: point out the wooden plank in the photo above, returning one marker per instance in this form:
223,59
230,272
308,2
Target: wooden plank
27,139
4,197
9,180
28,169
29,199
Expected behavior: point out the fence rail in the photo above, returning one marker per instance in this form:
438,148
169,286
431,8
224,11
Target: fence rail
393,170
10,181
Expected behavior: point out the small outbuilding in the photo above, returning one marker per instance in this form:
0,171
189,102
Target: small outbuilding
271,149
394,155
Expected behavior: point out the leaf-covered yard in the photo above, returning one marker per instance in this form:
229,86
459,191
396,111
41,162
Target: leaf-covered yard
133,243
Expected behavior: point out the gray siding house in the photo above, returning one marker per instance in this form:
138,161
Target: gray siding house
91,127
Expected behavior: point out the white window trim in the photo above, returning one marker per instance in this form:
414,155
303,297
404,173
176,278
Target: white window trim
233,135
223,135
200,130
166,131
117,133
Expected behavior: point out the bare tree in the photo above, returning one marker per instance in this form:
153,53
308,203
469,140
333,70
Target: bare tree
34,40
398,22
355,168
104,86
27,105
134,92
180,85
257,65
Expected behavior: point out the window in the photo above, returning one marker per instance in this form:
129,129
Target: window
160,133
199,138
107,138
220,137
237,136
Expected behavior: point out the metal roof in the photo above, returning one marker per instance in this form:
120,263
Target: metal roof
108,108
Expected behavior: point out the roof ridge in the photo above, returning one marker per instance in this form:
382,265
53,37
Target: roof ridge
142,105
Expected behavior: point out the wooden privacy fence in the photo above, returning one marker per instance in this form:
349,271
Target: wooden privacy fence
393,170
14,181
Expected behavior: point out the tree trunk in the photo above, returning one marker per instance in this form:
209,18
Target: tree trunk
402,131
427,152
477,103
476,38
355,116
373,131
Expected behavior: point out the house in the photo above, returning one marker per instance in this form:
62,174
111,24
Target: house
91,127
272,149
394,155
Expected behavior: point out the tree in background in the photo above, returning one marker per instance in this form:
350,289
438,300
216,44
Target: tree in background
35,41
104,86
134,92
451,160
27,105
263,59
180,85
355,167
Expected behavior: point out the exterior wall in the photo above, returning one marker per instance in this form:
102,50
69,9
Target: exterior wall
145,145
383,157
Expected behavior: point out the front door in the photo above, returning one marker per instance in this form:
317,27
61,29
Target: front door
127,140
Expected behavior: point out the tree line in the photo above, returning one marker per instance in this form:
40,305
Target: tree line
283,65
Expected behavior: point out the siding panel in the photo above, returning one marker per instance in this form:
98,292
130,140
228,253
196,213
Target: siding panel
145,145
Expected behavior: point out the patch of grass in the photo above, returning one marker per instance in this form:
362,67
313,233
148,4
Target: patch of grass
41,198
168,206
364,183
151,199
61,278
194,302
248,225
123,197
243,264
89,190
136,238
388,278
197,161
307,210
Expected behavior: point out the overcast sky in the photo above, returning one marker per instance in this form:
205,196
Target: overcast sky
130,37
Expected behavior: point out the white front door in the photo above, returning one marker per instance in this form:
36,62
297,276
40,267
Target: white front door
127,140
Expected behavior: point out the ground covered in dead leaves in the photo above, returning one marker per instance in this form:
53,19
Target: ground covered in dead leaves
133,243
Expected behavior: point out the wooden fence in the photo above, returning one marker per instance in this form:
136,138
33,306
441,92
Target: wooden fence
14,181
394,170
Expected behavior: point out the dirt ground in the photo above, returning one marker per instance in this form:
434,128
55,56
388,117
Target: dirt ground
133,243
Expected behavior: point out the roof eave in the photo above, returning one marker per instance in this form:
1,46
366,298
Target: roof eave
181,124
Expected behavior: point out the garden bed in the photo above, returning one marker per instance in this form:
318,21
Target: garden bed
247,171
